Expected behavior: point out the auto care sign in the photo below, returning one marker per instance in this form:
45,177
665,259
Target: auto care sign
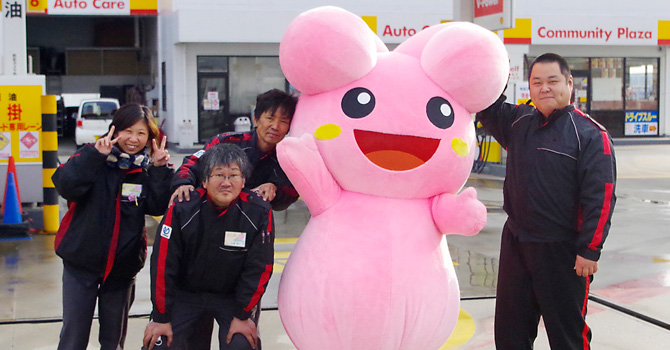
93,7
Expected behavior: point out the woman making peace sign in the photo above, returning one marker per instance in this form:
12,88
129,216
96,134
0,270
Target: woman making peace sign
109,186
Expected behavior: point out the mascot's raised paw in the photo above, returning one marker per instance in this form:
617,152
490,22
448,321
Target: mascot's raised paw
459,214
385,141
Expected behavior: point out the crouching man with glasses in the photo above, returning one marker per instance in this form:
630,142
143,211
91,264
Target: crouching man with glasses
213,255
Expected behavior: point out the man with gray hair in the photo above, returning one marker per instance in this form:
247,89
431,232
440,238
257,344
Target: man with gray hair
213,255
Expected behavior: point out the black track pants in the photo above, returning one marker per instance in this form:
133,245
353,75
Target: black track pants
538,279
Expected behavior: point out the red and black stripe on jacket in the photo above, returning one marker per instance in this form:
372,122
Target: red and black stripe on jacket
103,232
190,253
561,174
265,168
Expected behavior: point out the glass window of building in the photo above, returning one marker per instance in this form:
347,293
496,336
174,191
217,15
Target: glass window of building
606,84
212,64
579,67
250,76
227,90
641,83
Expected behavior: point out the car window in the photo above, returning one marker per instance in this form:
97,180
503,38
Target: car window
98,110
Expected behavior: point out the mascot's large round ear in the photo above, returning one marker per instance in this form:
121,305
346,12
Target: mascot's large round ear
467,61
326,48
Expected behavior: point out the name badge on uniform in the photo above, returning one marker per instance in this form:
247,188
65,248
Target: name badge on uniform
235,239
131,191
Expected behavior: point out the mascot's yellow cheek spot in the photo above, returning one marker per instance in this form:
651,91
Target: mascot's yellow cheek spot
460,147
327,132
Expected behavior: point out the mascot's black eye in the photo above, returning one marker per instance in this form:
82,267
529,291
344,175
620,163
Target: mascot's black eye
358,102
439,112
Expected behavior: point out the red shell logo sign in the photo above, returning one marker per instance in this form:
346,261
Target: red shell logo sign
29,140
488,7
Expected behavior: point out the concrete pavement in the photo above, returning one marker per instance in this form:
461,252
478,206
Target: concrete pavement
634,273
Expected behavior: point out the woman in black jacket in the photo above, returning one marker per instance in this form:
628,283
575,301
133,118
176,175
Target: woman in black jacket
110,186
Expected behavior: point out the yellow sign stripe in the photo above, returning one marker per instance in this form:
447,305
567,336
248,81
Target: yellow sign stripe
664,30
143,4
371,21
37,5
522,29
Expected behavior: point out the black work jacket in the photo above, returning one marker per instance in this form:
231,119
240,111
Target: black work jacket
103,231
194,252
265,168
561,174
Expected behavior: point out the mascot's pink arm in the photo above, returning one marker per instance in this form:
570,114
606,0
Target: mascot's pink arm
459,213
301,161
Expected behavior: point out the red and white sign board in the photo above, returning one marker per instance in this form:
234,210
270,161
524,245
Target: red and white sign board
93,7
493,14
629,31
89,7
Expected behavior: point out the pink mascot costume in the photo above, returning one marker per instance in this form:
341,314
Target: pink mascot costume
381,143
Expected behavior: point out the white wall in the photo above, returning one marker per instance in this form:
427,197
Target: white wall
262,26
87,84
591,8
297,6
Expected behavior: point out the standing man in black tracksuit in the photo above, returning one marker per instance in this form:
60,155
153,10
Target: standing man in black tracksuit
559,197
213,256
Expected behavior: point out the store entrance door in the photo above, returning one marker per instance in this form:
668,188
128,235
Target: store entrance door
580,89
212,105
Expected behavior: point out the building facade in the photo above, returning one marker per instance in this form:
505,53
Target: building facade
200,63
216,56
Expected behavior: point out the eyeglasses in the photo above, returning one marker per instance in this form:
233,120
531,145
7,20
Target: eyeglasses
221,177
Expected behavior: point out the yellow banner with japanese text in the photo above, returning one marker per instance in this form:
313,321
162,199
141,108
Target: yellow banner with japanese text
20,123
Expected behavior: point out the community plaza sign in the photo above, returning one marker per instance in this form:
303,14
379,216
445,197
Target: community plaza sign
627,31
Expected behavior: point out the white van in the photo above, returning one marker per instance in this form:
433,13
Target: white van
93,119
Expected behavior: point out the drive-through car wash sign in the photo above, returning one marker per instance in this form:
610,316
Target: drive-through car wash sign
641,123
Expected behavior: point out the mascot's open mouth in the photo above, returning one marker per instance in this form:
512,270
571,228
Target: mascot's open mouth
395,152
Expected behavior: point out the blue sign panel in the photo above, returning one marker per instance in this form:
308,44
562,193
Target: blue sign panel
639,123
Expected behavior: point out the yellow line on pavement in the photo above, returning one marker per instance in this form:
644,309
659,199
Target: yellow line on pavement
285,240
465,329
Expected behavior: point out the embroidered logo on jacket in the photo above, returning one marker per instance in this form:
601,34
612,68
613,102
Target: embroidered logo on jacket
166,231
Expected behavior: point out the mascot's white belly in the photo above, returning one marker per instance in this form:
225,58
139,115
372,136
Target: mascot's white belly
382,281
